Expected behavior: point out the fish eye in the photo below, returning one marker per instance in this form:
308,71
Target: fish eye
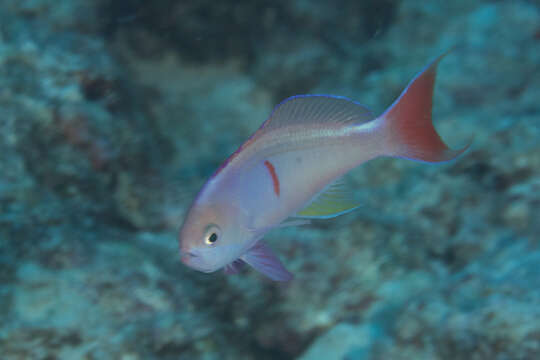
212,238
212,234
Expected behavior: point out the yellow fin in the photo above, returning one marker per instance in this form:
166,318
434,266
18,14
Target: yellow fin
331,202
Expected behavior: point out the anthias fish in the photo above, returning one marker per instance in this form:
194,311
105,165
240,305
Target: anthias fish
286,173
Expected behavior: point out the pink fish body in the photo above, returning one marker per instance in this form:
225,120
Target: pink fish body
286,172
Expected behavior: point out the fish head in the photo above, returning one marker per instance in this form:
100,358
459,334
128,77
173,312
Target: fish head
211,236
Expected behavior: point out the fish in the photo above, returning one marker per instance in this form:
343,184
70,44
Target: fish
289,172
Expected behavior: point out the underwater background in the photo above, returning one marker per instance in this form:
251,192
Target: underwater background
112,114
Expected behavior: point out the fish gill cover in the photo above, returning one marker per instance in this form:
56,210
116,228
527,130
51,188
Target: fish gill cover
112,113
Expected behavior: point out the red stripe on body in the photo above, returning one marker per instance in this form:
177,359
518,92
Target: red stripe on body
273,174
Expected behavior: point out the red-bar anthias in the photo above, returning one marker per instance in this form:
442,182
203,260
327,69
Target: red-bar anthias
287,171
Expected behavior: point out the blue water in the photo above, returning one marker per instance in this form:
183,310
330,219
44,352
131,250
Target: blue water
112,115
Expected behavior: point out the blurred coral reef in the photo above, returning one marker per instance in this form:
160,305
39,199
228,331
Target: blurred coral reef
113,113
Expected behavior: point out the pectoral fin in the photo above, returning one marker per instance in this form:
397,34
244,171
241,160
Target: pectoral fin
333,201
262,259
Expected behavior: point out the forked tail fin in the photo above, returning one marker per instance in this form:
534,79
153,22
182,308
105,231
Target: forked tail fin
407,126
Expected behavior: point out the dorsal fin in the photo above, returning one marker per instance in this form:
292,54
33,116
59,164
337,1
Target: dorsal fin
316,109
333,201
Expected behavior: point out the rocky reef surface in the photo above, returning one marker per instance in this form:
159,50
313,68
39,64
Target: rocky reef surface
113,113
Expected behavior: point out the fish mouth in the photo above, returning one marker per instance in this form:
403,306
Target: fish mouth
194,261
188,256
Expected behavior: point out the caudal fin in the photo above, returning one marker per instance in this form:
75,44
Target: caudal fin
407,125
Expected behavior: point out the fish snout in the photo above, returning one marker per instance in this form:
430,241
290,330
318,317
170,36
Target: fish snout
196,260
187,256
